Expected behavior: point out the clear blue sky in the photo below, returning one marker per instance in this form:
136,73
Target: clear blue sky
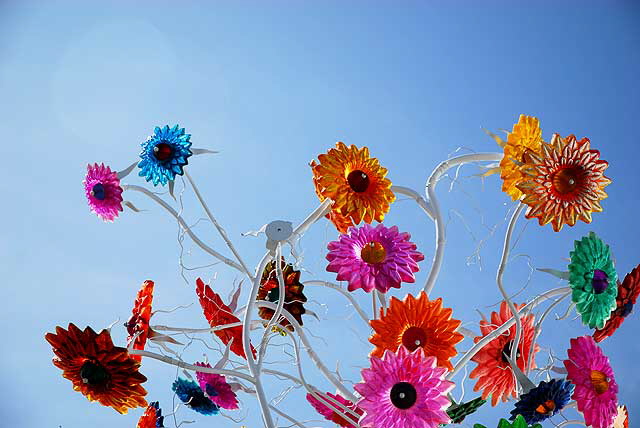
271,85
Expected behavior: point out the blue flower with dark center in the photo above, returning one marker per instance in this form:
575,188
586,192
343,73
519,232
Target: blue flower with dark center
190,393
164,155
543,401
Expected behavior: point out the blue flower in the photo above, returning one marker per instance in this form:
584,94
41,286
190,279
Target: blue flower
543,401
164,154
190,393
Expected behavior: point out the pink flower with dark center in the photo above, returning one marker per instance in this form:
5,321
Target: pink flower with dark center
104,194
328,409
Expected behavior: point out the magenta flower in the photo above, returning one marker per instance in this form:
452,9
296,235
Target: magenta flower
217,389
368,257
104,194
328,410
404,390
596,389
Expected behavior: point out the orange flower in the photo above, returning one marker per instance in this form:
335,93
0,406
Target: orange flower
269,290
100,371
526,135
152,417
217,313
139,321
417,323
356,184
565,182
493,372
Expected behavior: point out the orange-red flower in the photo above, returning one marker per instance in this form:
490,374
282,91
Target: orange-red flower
152,417
294,297
140,315
628,291
100,371
493,372
417,323
217,313
565,182
355,182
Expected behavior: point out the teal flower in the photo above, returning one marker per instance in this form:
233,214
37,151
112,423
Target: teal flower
190,394
164,154
593,280
519,422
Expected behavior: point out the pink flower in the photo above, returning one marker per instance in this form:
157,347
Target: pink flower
104,194
404,390
368,257
596,389
328,409
217,389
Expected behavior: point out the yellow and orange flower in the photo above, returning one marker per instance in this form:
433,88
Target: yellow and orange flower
565,182
526,135
140,316
417,323
493,372
355,182
99,370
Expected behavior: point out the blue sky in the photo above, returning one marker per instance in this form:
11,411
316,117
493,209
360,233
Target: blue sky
271,85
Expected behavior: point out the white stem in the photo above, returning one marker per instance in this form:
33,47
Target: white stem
287,417
571,422
539,325
183,224
422,203
195,330
278,312
430,190
344,292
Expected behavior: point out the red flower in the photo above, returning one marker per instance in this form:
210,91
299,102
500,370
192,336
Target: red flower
628,291
217,313
140,315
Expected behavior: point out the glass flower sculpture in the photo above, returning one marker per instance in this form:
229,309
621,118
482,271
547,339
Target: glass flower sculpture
628,291
190,394
543,401
152,417
622,418
355,182
458,412
139,321
164,155
519,422
404,389
565,182
103,191
99,370
377,257
215,386
493,371
269,290
595,387
417,323
218,314
593,278
328,410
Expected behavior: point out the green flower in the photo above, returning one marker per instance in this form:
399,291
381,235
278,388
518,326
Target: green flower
593,280
518,423
457,412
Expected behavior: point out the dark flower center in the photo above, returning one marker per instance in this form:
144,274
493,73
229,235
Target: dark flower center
403,395
97,191
358,181
162,151
567,180
94,374
373,253
546,408
600,281
599,381
414,338
506,352
211,391
626,309
274,294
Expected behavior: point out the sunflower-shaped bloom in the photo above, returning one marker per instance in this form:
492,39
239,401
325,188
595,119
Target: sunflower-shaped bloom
519,422
458,412
565,182
374,257
628,291
190,394
622,418
493,372
218,314
593,278
417,323
140,315
294,298
152,417
104,194
595,387
328,410
100,371
215,386
404,389
543,401
355,182
164,154
526,135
